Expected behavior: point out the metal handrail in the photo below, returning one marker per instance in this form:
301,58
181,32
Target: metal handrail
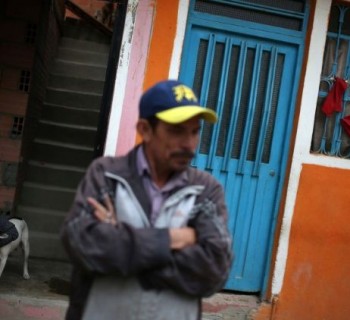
116,44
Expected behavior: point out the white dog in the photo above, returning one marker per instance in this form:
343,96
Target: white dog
23,240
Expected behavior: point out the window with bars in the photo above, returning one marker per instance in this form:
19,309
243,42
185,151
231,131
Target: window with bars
17,127
31,33
24,81
331,135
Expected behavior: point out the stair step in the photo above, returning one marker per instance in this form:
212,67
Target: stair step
67,125
82,56
78,70
46,151
85,45
69,98
76,84
63,147
81,135
46,197
61,176
39,219
46,245
70,115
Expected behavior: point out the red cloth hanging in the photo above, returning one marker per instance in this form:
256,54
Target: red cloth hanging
333,101
345,122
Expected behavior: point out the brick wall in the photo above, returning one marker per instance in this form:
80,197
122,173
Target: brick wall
16,54
29,33
48,35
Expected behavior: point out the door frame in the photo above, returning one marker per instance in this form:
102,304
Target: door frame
245,28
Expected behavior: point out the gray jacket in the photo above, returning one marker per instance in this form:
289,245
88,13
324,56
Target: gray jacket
129,271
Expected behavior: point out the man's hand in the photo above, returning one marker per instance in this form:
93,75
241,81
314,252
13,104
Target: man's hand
105,213
182,237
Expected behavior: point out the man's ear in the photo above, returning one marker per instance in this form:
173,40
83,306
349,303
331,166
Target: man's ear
144,129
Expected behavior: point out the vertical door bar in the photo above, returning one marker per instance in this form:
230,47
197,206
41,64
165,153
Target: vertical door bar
251,109
220,102
205,83
235,106
267,110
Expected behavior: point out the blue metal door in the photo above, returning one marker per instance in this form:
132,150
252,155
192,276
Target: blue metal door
251,82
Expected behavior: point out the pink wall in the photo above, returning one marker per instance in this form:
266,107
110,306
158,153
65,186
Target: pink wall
134,87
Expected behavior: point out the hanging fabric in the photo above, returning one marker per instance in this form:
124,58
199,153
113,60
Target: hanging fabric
345,122
333,101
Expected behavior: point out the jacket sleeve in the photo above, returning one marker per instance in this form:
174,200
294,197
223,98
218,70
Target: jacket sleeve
100,247
202,269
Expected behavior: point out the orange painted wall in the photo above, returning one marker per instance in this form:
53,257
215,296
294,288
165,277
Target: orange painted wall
161,47
317,278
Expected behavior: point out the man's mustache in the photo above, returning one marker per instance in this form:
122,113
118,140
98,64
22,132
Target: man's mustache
182,154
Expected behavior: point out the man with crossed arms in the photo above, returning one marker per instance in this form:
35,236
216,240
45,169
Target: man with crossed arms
147,233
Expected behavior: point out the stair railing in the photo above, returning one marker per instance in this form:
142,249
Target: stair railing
112,69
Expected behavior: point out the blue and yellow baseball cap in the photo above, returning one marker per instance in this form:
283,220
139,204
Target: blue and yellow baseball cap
173,102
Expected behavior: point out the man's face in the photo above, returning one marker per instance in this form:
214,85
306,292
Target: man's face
171,147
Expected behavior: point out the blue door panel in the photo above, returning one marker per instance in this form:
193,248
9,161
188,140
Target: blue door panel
250,83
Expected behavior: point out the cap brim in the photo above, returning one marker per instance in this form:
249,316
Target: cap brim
184,113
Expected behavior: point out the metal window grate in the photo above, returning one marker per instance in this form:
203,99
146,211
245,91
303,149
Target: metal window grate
31,33
213,94
24,81
283,14
199,72
17,127
243,87
329,138
243,106
273,109
259,106
338,13
292,5
197,87
229,96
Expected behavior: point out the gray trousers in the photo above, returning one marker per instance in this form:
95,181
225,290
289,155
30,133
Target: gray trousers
114,298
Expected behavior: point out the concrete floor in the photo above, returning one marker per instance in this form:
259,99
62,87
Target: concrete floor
45,294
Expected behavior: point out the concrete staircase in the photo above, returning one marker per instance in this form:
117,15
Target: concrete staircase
63,146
